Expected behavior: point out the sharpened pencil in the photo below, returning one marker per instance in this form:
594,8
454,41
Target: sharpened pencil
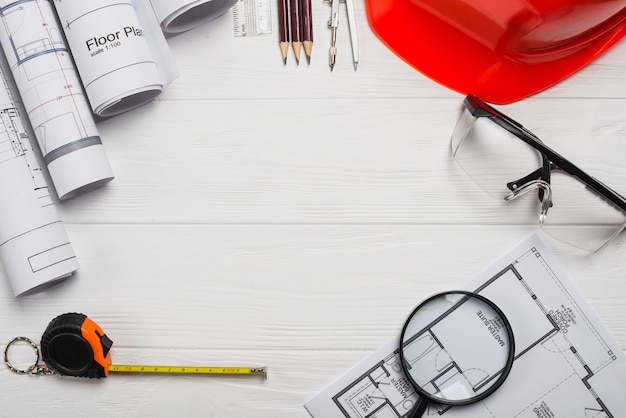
283,28
296,28
307,28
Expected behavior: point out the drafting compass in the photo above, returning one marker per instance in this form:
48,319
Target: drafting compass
333,23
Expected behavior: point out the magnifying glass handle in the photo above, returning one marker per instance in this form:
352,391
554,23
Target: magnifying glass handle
419,409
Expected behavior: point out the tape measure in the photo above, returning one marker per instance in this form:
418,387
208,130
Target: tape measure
74,345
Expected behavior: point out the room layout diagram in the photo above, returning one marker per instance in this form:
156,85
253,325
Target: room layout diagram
44,73
52,95
17,151
15,147
34,246
565,363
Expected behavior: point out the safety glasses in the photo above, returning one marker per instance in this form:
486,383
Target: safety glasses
508,161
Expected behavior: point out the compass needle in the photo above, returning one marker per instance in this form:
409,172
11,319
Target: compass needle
333,24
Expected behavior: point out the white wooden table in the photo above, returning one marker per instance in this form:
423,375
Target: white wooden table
291,217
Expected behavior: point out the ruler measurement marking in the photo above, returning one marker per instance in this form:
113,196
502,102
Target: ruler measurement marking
132,368
252,18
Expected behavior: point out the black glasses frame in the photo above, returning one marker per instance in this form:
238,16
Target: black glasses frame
551,159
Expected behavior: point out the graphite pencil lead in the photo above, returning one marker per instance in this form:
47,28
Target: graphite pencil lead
297,47
284,51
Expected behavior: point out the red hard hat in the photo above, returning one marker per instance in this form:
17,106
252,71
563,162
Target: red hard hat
499,50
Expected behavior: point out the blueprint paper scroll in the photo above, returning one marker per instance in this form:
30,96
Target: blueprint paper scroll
566,364
53,97
120,52
34,247
178,16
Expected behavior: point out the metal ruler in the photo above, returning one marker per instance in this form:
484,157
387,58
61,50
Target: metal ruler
252,18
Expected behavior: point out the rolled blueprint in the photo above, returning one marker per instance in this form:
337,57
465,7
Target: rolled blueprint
120,52
178,16
53,97
34,247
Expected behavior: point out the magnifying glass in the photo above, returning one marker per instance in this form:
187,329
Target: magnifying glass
456,348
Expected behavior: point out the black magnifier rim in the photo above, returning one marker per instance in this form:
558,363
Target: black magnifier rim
505,371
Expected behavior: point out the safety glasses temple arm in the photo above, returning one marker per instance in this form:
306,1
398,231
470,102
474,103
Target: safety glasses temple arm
559,162
478,108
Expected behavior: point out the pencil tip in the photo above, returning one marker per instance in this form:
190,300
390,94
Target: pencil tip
285,61
308,59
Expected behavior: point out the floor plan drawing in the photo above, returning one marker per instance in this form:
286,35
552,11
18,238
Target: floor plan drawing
34,246
565,364
10,145
120,52
14,145
50,88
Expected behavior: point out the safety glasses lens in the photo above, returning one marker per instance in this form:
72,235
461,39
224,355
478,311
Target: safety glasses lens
496,159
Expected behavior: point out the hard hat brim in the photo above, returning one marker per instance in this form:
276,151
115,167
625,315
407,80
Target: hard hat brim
454,59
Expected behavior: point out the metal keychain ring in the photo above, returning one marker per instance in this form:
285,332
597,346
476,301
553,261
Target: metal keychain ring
30,369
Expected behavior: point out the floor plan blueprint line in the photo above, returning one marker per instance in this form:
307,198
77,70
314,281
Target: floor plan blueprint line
34,246
52,94
29,231
72,146
566,365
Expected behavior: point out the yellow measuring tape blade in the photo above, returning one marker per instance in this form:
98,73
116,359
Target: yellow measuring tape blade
134,368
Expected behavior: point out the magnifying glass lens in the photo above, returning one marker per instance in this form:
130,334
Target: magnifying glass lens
457,348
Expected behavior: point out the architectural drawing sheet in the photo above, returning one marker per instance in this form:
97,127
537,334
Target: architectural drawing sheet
120,51
53,96
178,16
566,364
34,247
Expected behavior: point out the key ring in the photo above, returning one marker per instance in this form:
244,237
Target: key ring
35,368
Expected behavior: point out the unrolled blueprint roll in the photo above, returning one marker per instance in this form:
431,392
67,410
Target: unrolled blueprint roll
182,15
120,52
53,97
34,247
